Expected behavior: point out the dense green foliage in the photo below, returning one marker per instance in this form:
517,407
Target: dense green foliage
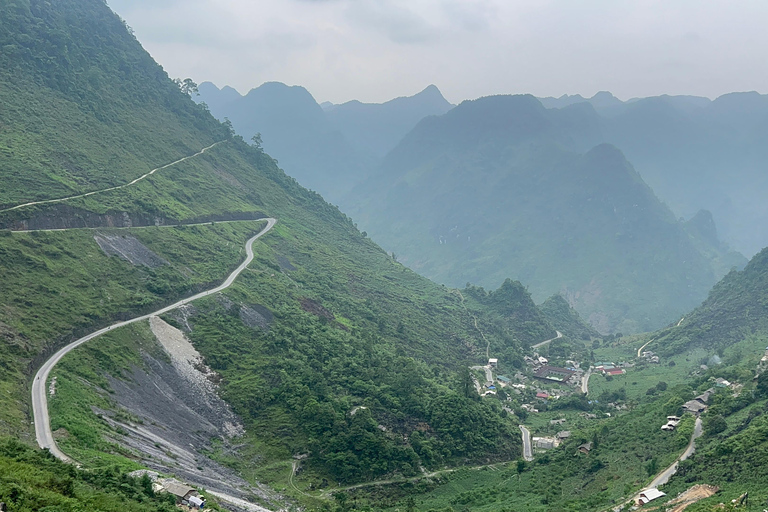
562,479
32,481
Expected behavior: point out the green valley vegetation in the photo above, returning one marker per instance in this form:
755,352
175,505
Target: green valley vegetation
502,187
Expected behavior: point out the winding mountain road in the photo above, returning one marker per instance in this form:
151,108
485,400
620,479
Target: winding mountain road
39,396
665,475
118,187
559,335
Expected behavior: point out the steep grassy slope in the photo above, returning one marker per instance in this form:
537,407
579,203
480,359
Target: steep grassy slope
736,309
351,326
503,187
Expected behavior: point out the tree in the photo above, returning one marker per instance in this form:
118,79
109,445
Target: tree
652,467
257,142
187,86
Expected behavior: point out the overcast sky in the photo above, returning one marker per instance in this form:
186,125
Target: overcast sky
374,50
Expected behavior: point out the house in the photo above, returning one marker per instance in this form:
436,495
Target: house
585,448
557,422
615,371
694,406
554,373
563,435
545,443
647,495
542,394
721,383
704,397
185,495
503,379
493,362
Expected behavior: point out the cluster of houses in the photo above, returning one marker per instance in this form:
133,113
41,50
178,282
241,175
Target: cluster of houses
672,422
650,357
607,368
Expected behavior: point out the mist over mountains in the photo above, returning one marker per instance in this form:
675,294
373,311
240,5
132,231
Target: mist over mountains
327,150
481,170
501,186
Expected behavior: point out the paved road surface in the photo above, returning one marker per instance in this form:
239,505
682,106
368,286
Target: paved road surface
39,396
585,382
527,448
665,475
150,173
559,335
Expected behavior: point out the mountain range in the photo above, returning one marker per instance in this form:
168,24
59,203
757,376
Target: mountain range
327,150
502,186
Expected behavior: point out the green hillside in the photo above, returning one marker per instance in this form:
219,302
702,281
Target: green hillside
735,310
86,108
560,313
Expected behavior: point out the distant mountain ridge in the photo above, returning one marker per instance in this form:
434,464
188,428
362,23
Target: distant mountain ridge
378,127
327,148
696,153
503,187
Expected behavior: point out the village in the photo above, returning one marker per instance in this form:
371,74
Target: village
540,384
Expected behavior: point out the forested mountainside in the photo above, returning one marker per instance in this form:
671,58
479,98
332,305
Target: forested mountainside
560,313
331,150
352,360
696,153
735,309
503,187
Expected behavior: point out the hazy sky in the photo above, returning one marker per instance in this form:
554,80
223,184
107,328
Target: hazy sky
374,50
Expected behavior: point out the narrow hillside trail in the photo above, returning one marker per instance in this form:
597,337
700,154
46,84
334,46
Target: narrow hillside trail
118,187
559,335
640,350
474,319
42,420
390,481
663,477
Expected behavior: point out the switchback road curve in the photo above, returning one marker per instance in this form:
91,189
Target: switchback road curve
40,399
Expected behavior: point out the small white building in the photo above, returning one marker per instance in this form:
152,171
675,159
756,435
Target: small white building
648,495
493,362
